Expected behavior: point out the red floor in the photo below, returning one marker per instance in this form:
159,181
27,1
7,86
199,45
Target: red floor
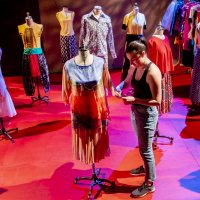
39,165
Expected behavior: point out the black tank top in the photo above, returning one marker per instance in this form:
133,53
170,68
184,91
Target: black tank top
141,87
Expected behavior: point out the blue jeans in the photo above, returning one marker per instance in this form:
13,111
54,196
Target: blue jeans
144,119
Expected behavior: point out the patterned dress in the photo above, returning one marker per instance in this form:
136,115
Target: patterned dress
97,34
84,88
67,36
160,53
195,86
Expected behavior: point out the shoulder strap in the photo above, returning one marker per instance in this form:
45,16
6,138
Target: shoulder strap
148,66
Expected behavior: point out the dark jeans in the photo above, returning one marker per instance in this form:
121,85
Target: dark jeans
144,119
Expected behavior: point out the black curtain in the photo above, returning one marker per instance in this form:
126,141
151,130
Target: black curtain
12,14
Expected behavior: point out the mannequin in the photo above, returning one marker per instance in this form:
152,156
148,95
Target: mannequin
160,53
96,33
7,108
34,66
134,23
84,57
68,45
97,12
83,83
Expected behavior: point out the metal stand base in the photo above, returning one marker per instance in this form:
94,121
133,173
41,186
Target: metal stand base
5,132
157,135
95,180
44,99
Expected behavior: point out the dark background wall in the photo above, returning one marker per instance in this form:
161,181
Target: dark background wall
13,14
116,9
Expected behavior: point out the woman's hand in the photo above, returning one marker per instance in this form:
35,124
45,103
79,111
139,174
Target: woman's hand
128,100
117,94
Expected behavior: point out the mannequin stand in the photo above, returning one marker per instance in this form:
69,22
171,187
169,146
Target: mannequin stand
5,132
44,99
157,135
95,180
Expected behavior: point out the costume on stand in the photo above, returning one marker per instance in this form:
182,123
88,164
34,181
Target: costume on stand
33,62
67,36
83,88
159,52
97,34
7,108
134,23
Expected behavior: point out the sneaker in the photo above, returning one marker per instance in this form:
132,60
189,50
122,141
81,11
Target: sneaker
138,171
143,190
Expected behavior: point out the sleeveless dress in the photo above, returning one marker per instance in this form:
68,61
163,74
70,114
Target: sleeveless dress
7,108
84,88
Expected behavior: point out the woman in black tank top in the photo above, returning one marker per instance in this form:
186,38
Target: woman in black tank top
145,78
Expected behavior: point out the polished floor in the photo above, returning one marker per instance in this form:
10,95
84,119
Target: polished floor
39,165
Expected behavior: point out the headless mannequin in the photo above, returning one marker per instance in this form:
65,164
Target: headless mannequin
29,20
6,106
134,23
65,18
84,58
135,10
97,11
65,9
30,23
159,32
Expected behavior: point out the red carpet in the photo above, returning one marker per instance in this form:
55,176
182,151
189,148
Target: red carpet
39,165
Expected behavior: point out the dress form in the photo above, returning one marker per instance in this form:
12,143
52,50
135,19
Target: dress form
34,62
6,106
68,45
134,24
159,32
65,9
95,27
97,11
166,77
29,20
84,58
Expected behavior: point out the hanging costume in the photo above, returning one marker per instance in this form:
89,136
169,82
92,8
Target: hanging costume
160,53
83,87
67,36
134,25
33,61
96,34
195,85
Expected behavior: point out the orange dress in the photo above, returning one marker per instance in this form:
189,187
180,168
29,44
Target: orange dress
84,88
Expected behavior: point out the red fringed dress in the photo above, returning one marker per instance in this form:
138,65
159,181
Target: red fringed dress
84,88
